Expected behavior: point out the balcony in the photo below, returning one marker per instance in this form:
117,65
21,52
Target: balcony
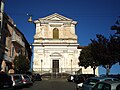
7,58
17,39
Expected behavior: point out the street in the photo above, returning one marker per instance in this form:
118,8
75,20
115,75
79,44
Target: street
52,85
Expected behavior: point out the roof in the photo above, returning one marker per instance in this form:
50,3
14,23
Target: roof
55,18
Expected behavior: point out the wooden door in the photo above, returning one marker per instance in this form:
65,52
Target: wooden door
55,66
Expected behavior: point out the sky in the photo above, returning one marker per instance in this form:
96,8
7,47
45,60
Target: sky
93,17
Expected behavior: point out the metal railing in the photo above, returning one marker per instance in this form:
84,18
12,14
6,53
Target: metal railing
56,72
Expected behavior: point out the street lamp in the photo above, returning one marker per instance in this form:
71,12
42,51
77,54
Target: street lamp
30,18
71,66
41,65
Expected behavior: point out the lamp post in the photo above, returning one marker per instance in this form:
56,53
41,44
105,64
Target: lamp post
71,66
41,65
30,18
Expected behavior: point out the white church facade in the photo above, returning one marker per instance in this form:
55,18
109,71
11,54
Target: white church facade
55,46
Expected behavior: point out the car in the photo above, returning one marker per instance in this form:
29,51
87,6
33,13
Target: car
5,80
31,75
26,79
81,78
90,82
115,76
70,78
107,85
37,77
17,80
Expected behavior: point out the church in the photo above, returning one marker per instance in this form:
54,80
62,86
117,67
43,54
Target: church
55,47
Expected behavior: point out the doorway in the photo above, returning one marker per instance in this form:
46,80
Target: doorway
55,66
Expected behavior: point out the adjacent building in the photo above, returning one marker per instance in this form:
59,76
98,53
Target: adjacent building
12,43
2,48
56,49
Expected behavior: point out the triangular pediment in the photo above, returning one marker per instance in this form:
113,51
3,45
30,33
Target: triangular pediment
56,17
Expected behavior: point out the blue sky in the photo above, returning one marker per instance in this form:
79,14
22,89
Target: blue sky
93,17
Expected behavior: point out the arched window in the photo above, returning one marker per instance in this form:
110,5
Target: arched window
55,33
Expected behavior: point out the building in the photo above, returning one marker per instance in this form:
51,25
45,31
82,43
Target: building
55,46
14,43
2,44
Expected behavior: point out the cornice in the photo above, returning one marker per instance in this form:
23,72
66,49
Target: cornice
55,18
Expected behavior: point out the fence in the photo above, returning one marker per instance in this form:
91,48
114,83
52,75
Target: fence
57,72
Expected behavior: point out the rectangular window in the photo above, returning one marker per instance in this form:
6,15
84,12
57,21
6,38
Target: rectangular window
12,52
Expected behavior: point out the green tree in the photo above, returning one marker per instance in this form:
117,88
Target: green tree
114,46
104,50
116,38
101,51
21,64
116,26
87,58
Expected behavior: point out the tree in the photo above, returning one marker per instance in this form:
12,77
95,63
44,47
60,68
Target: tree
116,38
87,59
104,50
101,51
21,64
116,26
114,46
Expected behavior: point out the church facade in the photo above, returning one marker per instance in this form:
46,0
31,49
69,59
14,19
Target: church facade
55,47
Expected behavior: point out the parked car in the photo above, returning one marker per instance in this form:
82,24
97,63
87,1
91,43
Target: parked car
37,77
107,85
81,78
5,80
31,75
26,79
90,82
70,78
115,76
17,80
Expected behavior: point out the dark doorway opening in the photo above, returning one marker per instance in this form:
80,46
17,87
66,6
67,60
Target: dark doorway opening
55,68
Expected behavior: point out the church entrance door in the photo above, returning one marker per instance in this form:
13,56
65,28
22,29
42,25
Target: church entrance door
55,67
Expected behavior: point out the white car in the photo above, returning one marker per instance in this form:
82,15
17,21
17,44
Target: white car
107,85
91,82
